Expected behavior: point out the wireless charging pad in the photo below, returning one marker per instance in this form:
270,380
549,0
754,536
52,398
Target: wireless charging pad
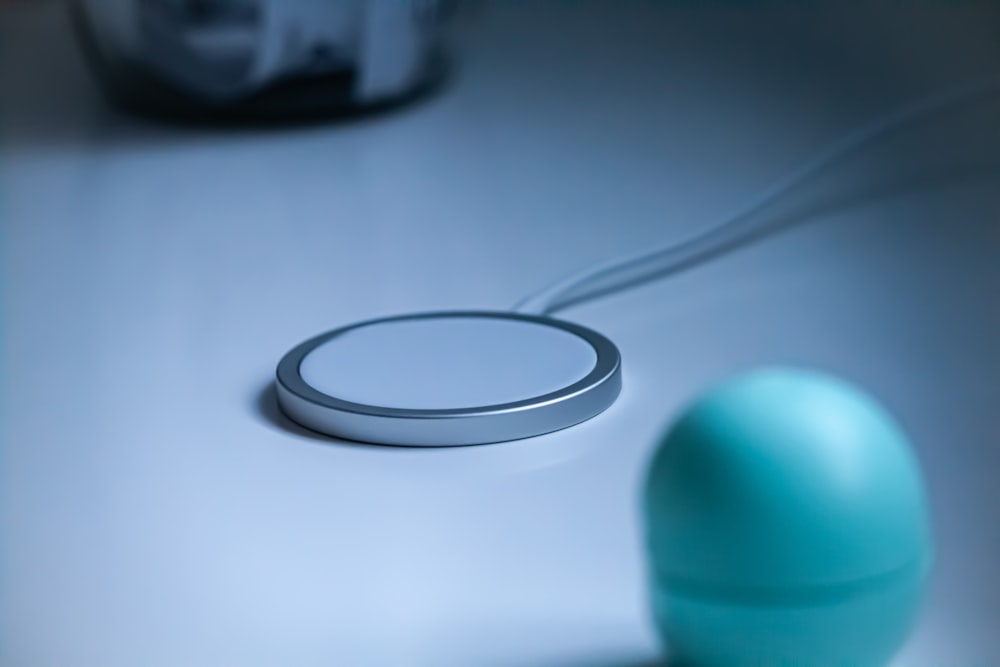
452,378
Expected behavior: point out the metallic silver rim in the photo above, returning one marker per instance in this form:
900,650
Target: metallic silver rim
464,426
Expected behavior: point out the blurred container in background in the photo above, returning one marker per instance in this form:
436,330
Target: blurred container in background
262,59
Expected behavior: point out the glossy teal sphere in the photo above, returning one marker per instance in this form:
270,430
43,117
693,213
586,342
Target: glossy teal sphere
787,524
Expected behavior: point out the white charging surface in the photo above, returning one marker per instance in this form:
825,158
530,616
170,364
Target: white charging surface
447,363
449,378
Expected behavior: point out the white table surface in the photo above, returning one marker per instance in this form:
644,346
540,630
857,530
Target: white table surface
158,511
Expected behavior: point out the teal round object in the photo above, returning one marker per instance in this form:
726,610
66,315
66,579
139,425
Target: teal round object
786,523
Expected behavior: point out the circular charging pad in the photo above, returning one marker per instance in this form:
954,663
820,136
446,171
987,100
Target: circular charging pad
453,378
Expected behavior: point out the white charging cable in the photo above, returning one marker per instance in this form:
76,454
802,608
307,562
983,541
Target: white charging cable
732,231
